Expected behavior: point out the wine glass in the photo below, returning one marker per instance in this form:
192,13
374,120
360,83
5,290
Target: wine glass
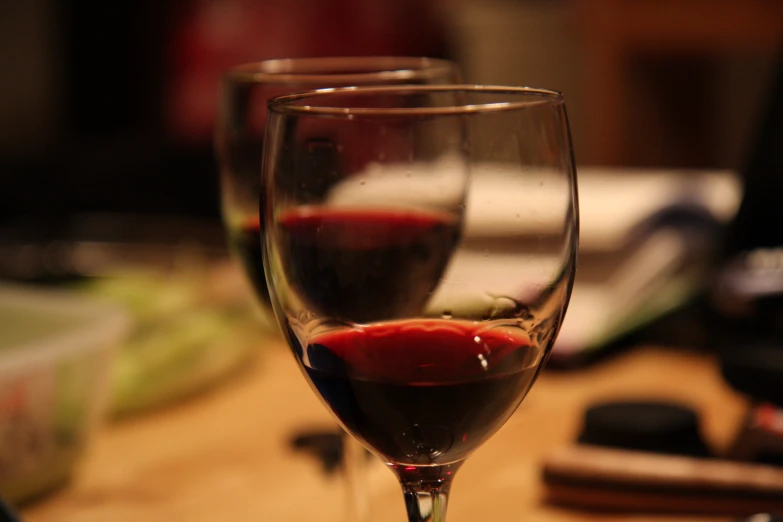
239,145
421,312
240,127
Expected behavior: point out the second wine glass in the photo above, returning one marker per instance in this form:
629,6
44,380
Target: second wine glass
239,142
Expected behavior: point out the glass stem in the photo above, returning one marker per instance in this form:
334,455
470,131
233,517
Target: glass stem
426,491
355,477
426,504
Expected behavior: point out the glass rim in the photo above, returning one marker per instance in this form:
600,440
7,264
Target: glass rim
285,104
316,69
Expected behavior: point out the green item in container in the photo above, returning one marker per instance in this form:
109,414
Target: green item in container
184,338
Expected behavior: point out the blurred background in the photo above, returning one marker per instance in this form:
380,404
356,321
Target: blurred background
111,107
107,111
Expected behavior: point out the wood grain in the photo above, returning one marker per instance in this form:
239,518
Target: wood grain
225,456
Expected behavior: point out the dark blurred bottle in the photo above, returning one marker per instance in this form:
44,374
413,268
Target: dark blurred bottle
747,297
748,293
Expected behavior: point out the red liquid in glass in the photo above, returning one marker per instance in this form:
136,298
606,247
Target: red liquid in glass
425,391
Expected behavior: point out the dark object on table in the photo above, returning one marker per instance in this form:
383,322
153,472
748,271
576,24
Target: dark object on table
642,456
655,427
326,446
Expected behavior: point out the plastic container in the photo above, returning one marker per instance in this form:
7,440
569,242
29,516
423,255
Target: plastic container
195,322
56,355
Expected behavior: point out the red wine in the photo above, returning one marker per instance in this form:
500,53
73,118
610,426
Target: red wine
245,241
426,391
365,265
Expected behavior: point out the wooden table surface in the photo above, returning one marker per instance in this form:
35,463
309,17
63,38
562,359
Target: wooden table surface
225,454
